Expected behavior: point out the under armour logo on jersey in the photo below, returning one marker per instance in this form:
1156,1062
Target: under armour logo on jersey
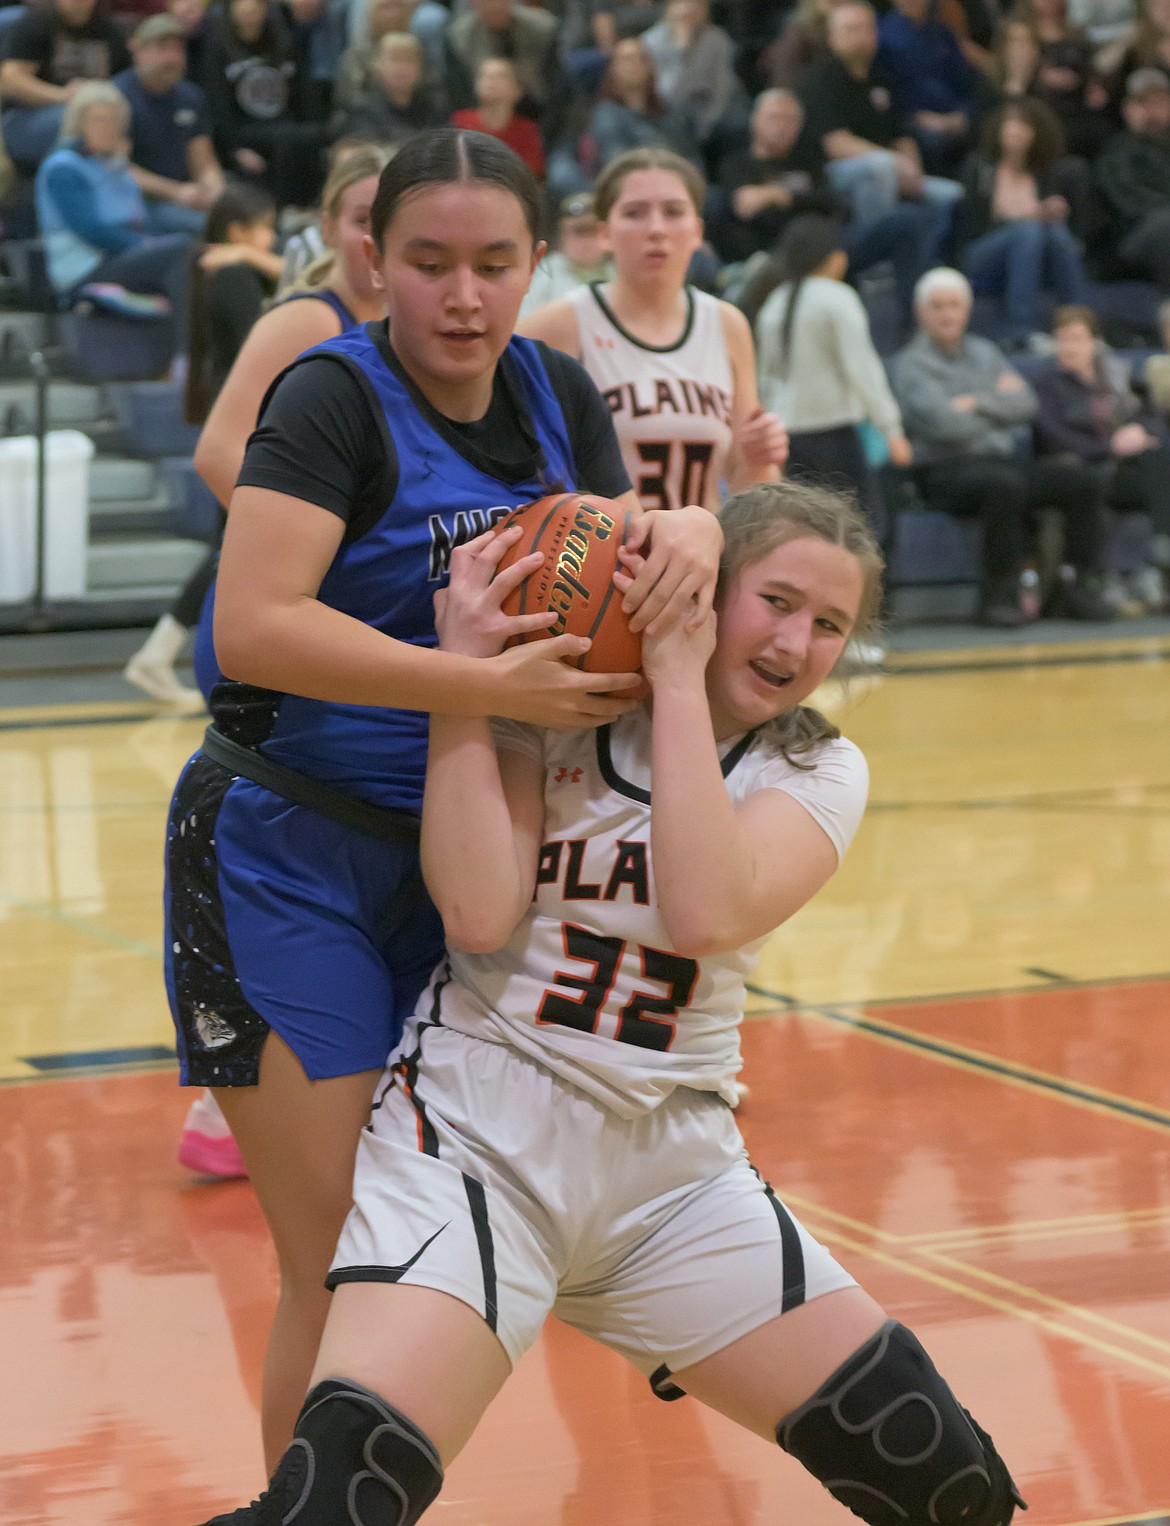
563,774
603,343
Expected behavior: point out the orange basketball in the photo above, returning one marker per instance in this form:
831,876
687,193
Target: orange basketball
579,536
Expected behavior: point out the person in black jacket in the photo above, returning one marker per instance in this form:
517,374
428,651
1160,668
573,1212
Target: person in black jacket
1133,175
257,91
1014,221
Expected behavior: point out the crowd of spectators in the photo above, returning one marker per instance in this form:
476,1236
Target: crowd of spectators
1026,149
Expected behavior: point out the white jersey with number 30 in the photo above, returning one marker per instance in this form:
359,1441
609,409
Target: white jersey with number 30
588,984
671,404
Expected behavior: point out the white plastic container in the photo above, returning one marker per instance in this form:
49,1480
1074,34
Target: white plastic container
67,457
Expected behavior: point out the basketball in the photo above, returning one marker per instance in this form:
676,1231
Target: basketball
579,536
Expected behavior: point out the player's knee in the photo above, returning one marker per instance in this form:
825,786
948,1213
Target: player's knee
354,1461
888,1438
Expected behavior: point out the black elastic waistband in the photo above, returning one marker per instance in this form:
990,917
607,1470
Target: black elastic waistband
374,820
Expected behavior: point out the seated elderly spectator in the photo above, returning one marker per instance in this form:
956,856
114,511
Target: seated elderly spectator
777,177
579,256
1090,417
51,51
1133,176
935,88
424,19
630,113
171,152
525,35
873,159
694,65
92,215
962,405
398,101
1014,229
497,94
258,93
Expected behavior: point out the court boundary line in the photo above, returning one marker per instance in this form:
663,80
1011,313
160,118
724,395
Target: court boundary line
1010,1072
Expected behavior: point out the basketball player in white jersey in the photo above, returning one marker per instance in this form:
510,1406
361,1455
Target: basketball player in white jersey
554,1132
676,365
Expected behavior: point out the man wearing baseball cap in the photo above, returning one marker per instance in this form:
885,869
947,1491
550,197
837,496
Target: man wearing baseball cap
1134,176
171,155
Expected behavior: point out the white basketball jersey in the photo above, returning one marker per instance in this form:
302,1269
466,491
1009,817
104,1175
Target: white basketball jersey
671,404
589,984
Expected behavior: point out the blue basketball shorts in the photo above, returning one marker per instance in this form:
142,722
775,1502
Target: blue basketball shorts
279,918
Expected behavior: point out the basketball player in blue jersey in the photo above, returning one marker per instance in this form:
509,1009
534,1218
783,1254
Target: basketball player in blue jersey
554,1130
299,932
334,293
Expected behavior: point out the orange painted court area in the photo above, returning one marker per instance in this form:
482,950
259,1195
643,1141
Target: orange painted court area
1022,1230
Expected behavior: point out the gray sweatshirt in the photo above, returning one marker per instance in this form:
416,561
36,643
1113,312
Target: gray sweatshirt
926,378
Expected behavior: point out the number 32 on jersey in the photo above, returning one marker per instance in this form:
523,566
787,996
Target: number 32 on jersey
647,1018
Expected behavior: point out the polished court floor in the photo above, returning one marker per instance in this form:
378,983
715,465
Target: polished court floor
959,1059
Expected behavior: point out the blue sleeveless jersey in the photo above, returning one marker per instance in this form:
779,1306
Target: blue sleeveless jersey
387,577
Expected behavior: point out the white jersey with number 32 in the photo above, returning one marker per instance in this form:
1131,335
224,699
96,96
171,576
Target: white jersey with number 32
671,404
588,984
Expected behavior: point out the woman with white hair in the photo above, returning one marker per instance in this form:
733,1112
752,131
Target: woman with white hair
962,405
91,213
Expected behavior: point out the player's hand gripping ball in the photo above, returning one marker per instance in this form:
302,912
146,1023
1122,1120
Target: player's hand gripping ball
579,536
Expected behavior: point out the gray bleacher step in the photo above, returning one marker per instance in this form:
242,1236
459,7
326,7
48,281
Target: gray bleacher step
71,405
28,330
117,479
141,564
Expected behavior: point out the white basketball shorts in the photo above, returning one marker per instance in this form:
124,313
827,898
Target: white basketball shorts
485,1176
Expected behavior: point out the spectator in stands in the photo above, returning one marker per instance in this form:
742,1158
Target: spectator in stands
694,66
1066,78
780,175
52,51
1144,45
873,159
192,17
233,276
497,95
817,367
934,86
424,19
1090,417
1133,174
803,42
524,34
1016,59
613,22
774,187
258,93
962,404
399,100
579,256
631,114
1014,221
171,152
92,215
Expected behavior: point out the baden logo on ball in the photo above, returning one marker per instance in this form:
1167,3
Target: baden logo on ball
579,536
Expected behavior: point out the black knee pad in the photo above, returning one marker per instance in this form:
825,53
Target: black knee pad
888,1438
354,1461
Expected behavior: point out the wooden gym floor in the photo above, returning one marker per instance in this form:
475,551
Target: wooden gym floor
959,1059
